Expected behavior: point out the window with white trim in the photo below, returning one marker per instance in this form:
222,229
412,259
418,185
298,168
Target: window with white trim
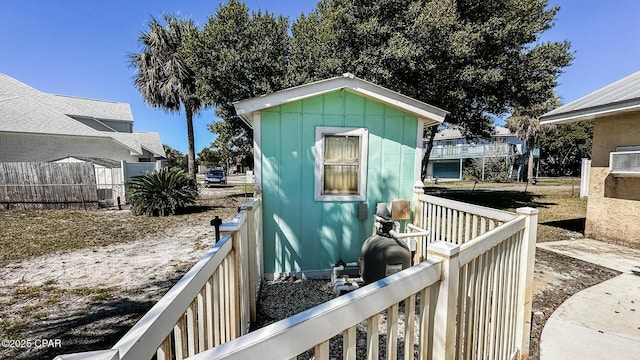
340,164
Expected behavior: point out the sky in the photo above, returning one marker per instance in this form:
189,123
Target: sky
80,48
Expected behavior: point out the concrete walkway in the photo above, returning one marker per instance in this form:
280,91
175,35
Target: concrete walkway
600,322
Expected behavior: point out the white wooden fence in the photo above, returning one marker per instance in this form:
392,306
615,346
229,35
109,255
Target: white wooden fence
470,298
212,304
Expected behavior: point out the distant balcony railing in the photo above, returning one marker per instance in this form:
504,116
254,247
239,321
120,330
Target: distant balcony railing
466,151
625,163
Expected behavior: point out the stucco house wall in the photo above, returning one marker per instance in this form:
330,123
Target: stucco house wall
614,202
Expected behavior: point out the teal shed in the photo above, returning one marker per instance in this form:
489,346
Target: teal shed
325,154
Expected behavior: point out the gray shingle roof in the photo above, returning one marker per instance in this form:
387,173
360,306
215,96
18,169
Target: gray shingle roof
151,142
137,141
24,109
127,139
620,96
100,109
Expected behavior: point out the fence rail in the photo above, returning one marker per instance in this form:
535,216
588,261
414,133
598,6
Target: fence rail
313,329
454,221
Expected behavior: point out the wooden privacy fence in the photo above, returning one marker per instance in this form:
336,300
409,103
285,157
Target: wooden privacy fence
212,304
47,185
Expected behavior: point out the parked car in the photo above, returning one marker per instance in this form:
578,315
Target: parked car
215,177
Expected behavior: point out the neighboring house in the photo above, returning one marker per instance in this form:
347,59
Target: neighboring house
41,127
614,182
325,154
451,150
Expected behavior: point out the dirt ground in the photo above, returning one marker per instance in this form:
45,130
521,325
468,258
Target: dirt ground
556,278
89,298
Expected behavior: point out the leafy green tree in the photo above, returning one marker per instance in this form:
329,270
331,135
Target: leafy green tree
238,56
562,150
175,158
524,122
475,59
210,157
163,76
162,192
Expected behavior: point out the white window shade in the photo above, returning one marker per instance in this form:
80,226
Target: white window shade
340,164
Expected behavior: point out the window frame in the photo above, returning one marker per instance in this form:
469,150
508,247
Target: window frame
363,135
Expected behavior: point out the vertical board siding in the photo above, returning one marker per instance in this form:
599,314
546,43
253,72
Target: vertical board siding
291,183
47,185
301,234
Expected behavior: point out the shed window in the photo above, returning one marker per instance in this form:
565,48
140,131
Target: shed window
340,164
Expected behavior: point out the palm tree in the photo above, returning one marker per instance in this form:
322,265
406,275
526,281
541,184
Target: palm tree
162,75
524,122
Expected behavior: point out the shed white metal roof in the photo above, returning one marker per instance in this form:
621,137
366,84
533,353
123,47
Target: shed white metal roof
618,97
431,114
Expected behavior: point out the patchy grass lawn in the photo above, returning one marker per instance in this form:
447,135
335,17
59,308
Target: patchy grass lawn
562,211
95,317
562,216
28,233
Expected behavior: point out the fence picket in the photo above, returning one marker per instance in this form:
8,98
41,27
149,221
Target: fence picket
349,342
47,185
392,332
409,329
372,337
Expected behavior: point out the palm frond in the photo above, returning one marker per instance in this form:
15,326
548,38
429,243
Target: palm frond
162,192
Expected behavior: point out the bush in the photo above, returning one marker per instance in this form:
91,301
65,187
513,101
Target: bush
161,193
495,169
